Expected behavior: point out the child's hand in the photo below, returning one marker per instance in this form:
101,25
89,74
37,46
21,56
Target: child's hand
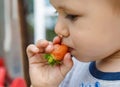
41,73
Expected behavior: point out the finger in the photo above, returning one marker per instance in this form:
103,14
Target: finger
57,40
49,48
42,44
31,50
37,59
67,64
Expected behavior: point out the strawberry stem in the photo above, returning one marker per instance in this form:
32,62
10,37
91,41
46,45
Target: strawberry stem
51,60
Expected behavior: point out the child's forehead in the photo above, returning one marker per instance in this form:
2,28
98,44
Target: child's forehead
78,3
60,2
67,4
75,1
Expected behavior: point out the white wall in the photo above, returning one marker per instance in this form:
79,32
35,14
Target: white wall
39,19
40,12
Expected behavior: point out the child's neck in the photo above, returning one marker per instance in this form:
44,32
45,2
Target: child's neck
109,64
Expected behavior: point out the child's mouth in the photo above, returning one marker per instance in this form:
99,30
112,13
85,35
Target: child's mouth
70,49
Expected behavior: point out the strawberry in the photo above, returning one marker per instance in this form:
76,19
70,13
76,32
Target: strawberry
57,55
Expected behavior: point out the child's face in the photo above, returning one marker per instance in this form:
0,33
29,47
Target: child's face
89,27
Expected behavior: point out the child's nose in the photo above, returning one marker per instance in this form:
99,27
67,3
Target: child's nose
61,29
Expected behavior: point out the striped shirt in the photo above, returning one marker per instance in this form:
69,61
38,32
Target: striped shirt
87,75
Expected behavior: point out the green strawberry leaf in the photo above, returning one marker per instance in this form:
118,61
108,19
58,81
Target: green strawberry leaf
51,60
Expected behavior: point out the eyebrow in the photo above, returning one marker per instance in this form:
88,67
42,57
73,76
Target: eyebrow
65,8
62,7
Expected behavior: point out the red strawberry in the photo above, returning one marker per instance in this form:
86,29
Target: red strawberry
57,54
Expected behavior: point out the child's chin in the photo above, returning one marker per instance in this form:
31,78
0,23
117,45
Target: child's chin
84,59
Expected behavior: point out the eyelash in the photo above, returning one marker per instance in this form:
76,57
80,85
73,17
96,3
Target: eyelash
71,17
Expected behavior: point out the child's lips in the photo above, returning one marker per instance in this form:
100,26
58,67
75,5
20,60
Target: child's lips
70,49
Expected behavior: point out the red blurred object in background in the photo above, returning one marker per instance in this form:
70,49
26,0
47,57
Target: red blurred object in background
18,82
3,72
5,78
2,76
2,64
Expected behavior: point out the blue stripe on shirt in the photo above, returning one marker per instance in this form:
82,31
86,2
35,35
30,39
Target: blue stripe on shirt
110,76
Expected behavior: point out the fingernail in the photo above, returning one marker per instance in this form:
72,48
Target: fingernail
68,55
36,49
49,47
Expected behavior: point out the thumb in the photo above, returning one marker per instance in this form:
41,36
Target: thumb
67,64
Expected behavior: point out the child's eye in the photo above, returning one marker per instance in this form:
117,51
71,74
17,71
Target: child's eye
71,17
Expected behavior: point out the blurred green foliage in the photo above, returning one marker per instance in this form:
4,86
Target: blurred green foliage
50,34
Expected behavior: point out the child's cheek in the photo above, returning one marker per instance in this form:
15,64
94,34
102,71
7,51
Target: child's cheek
91,49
